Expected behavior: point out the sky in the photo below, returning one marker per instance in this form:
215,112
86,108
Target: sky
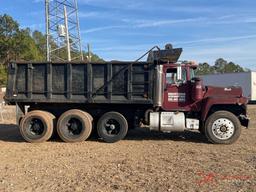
125,29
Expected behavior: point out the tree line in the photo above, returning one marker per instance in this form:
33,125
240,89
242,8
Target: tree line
220,66
27,45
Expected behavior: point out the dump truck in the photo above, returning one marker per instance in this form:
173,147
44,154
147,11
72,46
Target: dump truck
161,94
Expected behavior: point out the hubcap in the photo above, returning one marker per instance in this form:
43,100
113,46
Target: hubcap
112,127
223,129
74,126
36,127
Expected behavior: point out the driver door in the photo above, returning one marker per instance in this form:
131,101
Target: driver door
176,91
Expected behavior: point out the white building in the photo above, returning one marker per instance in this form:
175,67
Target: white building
246,80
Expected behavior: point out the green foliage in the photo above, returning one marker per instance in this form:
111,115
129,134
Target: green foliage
16,43
221,66
3,75
8,33
204,69
40,41
27,49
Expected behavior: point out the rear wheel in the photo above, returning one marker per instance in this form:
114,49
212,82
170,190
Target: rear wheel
74,126
37,126
112,127
222,127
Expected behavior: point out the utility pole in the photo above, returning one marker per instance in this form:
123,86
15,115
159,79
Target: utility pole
63,31
47,31
67,33
89,57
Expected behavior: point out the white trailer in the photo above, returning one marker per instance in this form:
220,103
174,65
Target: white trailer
246,80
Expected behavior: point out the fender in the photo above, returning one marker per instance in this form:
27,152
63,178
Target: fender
208,102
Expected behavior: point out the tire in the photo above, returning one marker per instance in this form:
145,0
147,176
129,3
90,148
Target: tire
112,127
37,126
89,115
74,126
222,127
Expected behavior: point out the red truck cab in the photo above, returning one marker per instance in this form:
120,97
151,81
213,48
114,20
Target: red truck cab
184,93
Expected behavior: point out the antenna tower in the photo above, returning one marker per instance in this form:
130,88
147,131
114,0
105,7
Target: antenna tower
63,31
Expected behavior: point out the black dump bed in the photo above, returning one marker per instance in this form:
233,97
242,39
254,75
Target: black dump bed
110,82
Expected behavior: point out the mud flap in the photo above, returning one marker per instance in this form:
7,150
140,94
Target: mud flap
245,121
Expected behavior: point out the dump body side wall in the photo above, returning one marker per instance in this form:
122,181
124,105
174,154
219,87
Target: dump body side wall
81,83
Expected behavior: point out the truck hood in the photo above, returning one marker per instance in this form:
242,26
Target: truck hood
224,91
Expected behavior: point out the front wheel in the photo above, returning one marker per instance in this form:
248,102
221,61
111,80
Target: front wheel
222,127
112,127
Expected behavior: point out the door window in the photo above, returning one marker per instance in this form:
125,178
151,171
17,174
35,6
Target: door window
171,76
184,75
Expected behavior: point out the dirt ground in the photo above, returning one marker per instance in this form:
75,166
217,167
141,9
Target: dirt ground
144,161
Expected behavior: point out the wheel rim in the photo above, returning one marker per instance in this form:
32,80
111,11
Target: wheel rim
36,127
112,127
223,128
74,126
